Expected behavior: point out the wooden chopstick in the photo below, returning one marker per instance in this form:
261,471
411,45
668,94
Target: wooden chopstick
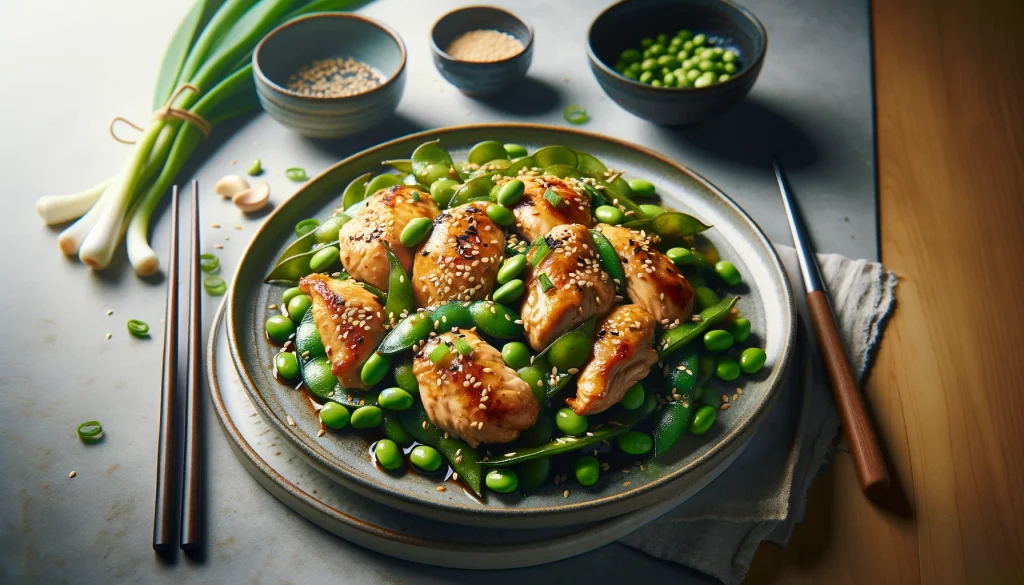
192,479
166,458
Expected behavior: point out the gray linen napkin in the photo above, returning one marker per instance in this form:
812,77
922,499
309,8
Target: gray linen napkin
762,495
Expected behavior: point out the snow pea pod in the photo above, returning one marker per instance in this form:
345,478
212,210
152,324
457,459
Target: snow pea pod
466,463
300,245
402,165
394,430
290,269
399,303
479,187
674,418
554,155
563,172
431,162
496,320
355,191
307,338
533,474
512,170
590,166
672,224
382,182
610,261
487,151
675,338
572,348
418,326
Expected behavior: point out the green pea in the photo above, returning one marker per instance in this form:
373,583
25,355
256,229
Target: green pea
609,214
642,187
569,422
646,42
727,369
587,470
669,80
367,417
646,76
515,150
298,306
323,259
717,340
730,68
703,419
503,481
730,56
657,49
717,51
680,256
511,268
388,455
280,328
651,210
633,398
328,230
570,351
415,231
632,75
375,369
728,272
535,378
405,379
425,458
500,215
286,365
395,399
740,329
509,292
255,168
656,83
705,65
511,192
705,297
752,360
724,77
442,191
667,61
648,65
693,75
289,295
634,67
335,415
699,40
630,56
516,354
704,80
634,442
688,45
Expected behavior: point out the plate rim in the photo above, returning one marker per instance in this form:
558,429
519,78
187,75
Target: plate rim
602,507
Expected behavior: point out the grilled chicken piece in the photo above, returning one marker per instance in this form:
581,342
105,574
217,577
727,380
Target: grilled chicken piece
474,397
350,321
460,260
652,280
623,355
382,220
581,287
535,216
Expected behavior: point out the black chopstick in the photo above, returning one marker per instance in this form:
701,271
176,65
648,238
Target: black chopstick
192,479
166,458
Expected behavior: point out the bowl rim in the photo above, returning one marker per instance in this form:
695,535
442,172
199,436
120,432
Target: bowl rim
261,77
445,55
762,50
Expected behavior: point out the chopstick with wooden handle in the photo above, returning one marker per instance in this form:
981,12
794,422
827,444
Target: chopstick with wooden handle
192,477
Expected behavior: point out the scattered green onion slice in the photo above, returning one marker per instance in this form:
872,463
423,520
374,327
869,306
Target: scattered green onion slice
545,282
463,346
553,198
540,253
138,328
438,354
305,226
575,114
415,195
90,430
215,285
296,174
208,263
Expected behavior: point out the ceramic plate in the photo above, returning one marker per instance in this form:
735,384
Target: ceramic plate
767,302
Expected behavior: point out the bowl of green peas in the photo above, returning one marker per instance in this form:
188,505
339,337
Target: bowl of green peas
676,62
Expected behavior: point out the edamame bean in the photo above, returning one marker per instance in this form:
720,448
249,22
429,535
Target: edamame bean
509,292
570,351
328,230
642,187
415,231
727,369
511,192
630,56
609,214
535,379
704,80
388,455
646,42
569,422
289,295
405,379
367,417
425,458
728,272
287,365
395,399
646,76
280,328
511,268
740,329
587,470
323,259
442,191
752,360
503,481
633,398
375,369
516,354
651,210
634,442
703,419
500,215
723,77
657,49
669,80
730,68
680,256
255,168
298,306
656,83
699,40
648,65
334,415
717,340
515,150
692,75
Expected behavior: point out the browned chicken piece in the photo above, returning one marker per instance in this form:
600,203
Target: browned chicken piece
581,287
652,280
460,259
350,321
382,220
474,397
536,216
623,355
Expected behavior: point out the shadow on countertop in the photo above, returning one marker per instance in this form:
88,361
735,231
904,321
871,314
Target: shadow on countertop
530,97
394,127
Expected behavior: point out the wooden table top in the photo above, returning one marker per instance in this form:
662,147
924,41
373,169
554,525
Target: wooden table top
945,391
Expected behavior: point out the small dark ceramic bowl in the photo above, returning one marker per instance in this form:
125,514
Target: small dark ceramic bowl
622,25
475,78
325,36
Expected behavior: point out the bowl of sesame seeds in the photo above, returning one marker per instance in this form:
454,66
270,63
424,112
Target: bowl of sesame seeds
330,75
482,50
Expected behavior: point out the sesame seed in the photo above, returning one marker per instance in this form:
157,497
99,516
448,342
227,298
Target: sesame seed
72,474
565,494
441,488
627,483
321,433
291,421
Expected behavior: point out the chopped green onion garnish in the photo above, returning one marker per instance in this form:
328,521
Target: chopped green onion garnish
296,174
438,353
553,198
305,226
138,328
540,252
415,196
463,346
208,263
90,431
545,282
215,285
575,114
